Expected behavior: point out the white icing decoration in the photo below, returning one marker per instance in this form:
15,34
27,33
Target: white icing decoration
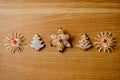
85,43
37,44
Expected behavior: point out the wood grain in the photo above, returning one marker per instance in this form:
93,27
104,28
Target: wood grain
45,17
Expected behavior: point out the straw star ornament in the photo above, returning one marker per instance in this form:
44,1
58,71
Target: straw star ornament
14,42
60,40
105,42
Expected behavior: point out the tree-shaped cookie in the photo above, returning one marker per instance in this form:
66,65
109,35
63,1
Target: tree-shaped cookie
37,43
85,43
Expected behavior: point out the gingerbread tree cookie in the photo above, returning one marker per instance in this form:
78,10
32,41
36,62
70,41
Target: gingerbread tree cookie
85,43
37,43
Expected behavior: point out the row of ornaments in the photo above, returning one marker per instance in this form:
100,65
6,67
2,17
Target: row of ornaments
104,42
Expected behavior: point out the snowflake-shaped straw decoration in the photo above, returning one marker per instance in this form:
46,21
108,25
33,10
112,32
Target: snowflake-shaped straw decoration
105,42
14,42
60,40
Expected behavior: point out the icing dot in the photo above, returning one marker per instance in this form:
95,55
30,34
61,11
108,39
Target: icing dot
60,40
105,41
14,42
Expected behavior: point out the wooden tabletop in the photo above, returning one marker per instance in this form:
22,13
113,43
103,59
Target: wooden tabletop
45,17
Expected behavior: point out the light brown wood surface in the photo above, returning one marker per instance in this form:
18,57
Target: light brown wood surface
45,17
